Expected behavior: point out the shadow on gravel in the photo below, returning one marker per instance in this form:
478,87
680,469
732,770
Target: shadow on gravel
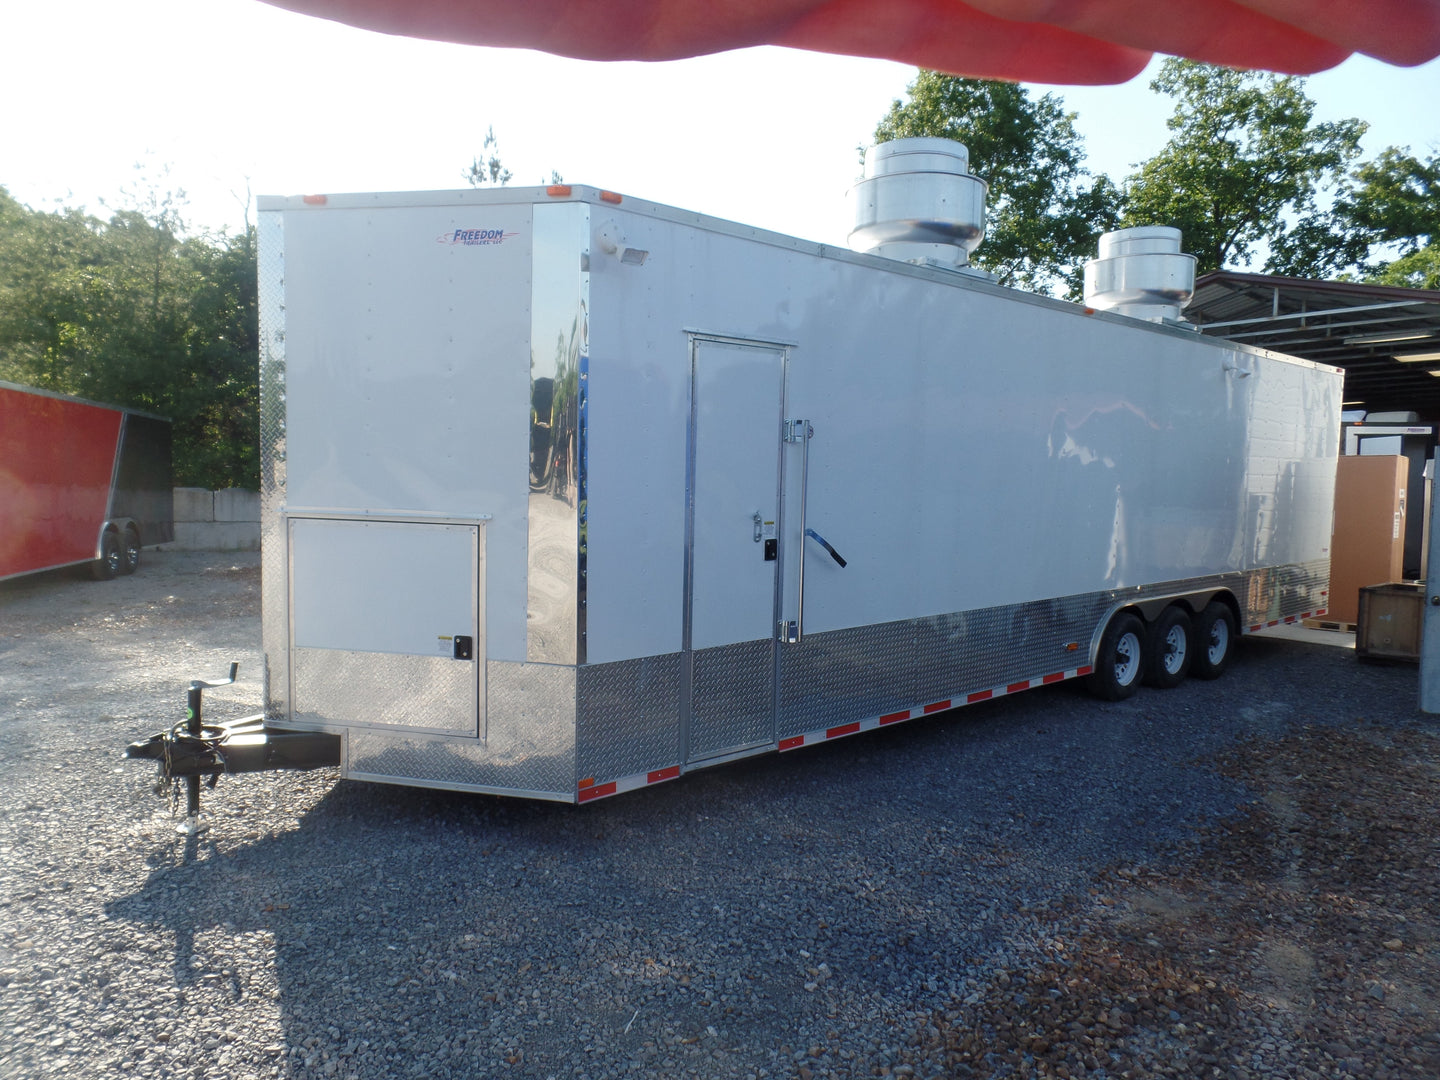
811,909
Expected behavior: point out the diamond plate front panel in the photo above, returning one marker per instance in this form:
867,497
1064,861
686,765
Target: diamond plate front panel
423,693
732,701
629,717
274,557
529,749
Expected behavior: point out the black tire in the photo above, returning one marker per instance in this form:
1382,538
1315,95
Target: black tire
108,565
1121,659
130,552
1213,637
1169,651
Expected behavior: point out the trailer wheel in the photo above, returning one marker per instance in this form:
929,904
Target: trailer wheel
1168,656
130,552
1212,641
1121,658
108,565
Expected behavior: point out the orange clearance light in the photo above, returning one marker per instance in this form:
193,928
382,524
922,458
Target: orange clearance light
314,200
610,197
558,191
1074,646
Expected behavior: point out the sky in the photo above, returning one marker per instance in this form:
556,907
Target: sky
233,96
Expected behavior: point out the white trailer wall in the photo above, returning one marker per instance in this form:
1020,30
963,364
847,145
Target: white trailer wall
974,447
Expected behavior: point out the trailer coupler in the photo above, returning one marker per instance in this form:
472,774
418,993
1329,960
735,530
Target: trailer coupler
193,749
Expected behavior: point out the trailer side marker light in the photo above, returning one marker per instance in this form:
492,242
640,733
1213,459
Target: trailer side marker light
1074,646
314,200
662,774
937,706
558,191
589,781
792,742
894,717
979,695
610,197
598,792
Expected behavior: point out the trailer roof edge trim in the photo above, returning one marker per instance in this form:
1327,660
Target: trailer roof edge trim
83,401
594,196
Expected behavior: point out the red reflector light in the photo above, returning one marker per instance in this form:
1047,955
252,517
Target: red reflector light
558,191
314,200
610,197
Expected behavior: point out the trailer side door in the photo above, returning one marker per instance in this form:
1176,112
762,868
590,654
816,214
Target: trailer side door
733,531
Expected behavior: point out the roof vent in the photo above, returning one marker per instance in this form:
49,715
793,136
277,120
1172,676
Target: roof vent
918,203
1141,273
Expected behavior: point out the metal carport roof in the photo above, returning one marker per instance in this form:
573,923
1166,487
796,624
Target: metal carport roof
1386,338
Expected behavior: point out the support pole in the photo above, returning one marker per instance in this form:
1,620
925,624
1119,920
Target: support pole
193,726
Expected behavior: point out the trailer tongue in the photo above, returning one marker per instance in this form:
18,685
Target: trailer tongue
193,749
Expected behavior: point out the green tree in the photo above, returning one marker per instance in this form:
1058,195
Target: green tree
487,169
1044,210
1384,225
1394,203
133,312
1243,161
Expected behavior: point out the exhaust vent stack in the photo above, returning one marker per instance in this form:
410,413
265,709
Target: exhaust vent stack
918,203
1142,273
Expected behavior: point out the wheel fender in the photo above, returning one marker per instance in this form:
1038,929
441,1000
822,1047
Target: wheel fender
116,526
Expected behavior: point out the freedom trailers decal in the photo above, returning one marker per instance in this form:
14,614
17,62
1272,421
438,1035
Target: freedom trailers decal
475,237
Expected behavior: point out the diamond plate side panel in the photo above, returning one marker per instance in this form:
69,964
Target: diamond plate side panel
1283,592
425,693
842,674
530,749
628,716
994,646
274,558
733,699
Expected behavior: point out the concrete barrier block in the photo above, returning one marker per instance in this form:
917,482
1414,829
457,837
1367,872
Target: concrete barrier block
216,536
194,504
237,504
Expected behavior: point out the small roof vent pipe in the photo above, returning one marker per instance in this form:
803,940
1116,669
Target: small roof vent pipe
1142,273
918,203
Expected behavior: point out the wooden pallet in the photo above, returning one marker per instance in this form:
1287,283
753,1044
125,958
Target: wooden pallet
1328,624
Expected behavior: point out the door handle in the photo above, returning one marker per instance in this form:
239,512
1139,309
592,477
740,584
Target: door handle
825,544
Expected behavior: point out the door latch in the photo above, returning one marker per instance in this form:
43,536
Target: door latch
759,526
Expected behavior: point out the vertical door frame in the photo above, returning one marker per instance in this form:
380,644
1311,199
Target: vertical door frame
781,350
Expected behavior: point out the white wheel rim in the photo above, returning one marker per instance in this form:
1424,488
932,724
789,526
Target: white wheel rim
1127,659
1219,641
1174,644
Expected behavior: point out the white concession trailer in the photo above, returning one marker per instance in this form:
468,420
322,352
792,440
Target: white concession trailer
566,493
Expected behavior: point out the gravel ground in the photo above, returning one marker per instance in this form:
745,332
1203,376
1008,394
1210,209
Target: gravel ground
1230,879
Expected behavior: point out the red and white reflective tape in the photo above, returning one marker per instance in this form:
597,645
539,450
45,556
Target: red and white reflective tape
590,790
794,742
1287,621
